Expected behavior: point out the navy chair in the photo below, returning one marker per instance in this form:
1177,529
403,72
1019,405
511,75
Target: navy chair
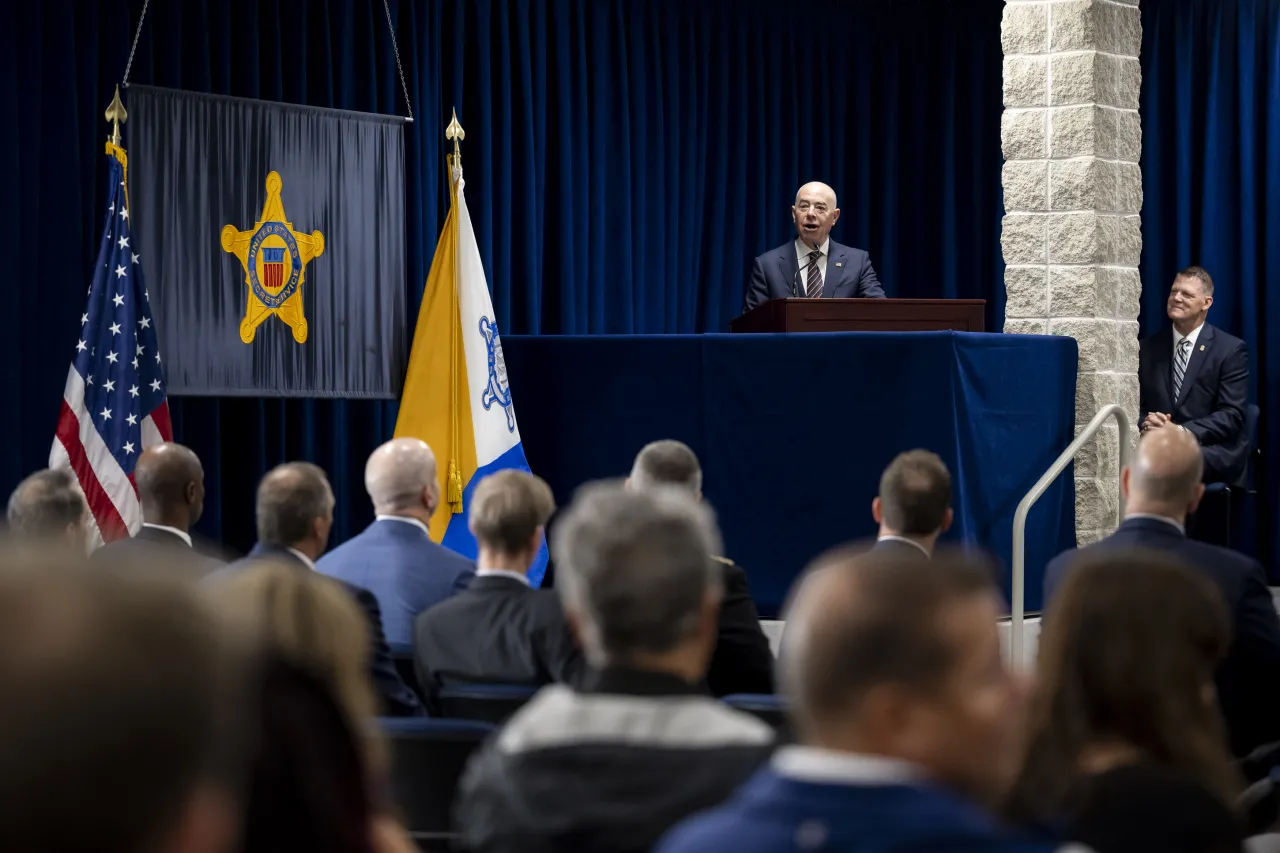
767,707
490,703
427,760
1227,515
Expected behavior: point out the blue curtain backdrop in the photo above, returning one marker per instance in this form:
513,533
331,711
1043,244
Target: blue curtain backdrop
625,160
1211,180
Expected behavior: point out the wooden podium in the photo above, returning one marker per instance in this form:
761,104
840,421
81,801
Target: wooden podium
863,315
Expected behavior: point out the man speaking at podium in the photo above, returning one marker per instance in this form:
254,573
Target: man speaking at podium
813,266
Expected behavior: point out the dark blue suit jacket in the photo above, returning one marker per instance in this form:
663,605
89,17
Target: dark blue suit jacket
403,568
775,275
1248,679
1211,403
398,700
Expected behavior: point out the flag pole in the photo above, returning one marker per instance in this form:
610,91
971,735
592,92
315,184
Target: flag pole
456,134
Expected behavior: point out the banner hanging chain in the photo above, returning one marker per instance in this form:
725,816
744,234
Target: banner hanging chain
136,34
396,47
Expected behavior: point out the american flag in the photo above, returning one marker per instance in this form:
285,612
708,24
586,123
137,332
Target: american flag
114,404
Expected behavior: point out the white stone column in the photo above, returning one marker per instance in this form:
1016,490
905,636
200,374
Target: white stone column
1072,195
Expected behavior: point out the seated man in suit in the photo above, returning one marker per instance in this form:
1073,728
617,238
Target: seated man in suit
49,507
906,715
914,505
394,558
295,514
812,265
1161,486
610,766
500,630
1196,376
742,661
170,483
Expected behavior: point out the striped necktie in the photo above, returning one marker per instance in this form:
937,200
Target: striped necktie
1180,365
813,287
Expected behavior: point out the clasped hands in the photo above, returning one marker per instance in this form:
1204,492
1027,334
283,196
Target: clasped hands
1156,420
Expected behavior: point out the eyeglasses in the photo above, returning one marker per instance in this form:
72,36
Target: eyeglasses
818,208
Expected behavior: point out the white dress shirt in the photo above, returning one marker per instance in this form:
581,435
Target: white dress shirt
502,573
828,767
803,250
405,520
307,561
1177,339
889,537
181,534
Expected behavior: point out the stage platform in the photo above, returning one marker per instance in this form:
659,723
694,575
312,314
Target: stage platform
794,430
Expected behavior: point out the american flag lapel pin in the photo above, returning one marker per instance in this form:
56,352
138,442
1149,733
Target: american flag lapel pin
839,264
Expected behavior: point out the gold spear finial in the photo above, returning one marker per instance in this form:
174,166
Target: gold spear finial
116,115
455,132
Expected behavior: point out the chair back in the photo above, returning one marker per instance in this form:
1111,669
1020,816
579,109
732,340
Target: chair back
1251,415
490,703
767,707
427,760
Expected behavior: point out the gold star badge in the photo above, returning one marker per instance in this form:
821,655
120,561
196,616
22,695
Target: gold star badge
274,257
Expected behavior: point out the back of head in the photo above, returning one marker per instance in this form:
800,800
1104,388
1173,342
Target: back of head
508,509
1165,473
900,658
1127,658
915,493
118,705
635,568
308,620
400,476
170,482
48,505
667,463
290,499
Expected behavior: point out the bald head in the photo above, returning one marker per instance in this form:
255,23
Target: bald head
170,482
400,478
1164,475
815,212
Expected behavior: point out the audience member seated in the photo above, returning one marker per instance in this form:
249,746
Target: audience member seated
119,705
914,505
742,661
905,713
1125,745
311,623
170,483
1161,486
294,515
500,631
611,766
48,507
394,558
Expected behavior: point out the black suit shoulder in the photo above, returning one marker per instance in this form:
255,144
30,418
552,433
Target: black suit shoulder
742,661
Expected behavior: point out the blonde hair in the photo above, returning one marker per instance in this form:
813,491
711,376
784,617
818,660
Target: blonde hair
312,622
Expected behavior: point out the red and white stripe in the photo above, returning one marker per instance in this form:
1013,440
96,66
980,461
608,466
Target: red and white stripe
77,446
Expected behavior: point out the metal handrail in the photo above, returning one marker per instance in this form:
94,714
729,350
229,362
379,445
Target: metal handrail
1024,506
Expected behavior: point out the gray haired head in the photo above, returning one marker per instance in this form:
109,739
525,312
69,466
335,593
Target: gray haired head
667,463
48,504
635,568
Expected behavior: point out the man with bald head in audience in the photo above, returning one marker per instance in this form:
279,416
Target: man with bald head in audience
170,483
394,557
49,507
1161,486
813,265
906,717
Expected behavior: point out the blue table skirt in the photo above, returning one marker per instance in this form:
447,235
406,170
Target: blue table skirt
794,430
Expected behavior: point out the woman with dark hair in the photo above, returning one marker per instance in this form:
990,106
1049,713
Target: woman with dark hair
1124,747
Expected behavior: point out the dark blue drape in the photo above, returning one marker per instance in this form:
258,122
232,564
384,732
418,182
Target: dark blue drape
1211,179
625,160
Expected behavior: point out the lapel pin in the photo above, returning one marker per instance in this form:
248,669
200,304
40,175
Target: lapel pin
1201,346
839,264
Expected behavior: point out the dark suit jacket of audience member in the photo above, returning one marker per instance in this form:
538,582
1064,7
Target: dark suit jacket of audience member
499,631
398,700
1211,402
743,661
402,567
155,544
1248,680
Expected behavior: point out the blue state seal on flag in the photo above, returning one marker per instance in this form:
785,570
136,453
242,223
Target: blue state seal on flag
497,391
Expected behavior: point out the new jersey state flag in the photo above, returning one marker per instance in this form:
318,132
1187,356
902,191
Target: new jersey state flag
456,397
